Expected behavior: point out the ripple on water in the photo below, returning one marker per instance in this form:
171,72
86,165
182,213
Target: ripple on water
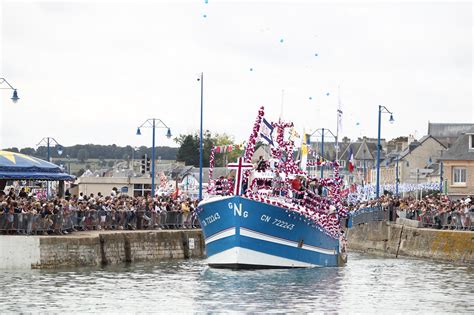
366,285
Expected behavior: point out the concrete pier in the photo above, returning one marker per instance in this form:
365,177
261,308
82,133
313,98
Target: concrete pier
390,239
93,248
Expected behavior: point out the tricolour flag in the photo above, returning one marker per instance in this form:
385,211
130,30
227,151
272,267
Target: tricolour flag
266,131
351,160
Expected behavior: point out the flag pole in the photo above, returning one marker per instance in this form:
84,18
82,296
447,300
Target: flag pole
281,109
338,112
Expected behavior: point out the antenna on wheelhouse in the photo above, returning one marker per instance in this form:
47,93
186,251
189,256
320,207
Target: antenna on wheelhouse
338,120
282,101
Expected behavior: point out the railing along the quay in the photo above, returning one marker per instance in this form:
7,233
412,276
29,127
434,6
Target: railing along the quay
65,222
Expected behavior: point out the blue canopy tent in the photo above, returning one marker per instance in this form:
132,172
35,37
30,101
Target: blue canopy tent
16,166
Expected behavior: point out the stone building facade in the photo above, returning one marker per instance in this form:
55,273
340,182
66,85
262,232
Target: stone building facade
458,166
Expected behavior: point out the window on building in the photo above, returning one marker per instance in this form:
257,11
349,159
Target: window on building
141,190
471,142
459,175
342,163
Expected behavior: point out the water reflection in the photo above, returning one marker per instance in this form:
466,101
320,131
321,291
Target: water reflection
250,290
366,285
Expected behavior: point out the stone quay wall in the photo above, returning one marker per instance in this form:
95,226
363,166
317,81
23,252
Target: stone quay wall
96,248
389,239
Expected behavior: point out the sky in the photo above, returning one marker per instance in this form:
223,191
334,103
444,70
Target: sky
93,71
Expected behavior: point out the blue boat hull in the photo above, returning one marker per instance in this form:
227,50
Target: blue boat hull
243,233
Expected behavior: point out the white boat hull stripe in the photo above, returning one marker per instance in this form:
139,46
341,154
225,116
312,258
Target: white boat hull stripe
219,235
239,255
278,240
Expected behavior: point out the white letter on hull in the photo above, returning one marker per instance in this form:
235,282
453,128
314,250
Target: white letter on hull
238,210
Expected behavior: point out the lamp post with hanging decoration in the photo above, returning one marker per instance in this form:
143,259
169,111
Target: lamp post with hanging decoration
201,78
153,123
382,109
322,132
48,141
15,97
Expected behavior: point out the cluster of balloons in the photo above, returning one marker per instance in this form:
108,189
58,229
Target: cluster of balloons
282,40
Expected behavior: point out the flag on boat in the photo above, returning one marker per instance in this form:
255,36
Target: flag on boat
266,131
304,151
293,134
339,116
351,159
175,194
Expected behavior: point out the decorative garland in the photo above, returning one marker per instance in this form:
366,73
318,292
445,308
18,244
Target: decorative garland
211,162
163,180
367,192
323,213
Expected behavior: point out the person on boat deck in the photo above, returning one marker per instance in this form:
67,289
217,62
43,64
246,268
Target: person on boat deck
261,164
228,187
296,183
297,186
304,186
277,184
219,183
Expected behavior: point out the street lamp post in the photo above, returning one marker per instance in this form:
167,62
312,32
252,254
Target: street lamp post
441,177
153,123
15,97
133,159
48,141
200,137
396,179
68,164
322,132
382,109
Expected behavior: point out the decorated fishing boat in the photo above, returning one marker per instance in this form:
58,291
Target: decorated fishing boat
273,215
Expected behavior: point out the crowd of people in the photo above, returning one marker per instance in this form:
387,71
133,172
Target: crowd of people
21,213
433,210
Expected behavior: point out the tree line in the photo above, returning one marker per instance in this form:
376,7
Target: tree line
187,152
83,152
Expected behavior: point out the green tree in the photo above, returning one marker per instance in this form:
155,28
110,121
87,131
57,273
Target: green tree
222,159
188,152
82,155
28,151
12,150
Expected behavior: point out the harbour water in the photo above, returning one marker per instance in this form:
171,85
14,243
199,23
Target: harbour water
366,285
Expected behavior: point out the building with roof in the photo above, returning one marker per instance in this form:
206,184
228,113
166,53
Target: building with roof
364,152
413,161
458,166
448,133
